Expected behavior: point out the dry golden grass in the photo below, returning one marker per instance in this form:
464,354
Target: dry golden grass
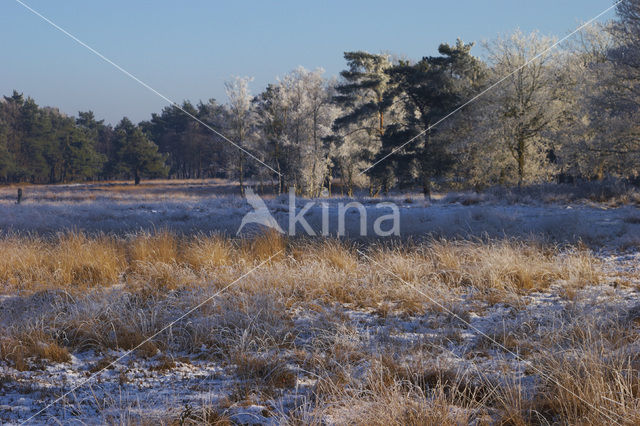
121,290
72,261
261,374
585,385
328,270
161,247
263,247
591,383
579,387
388,395
207,253
35,345
508,265
206,415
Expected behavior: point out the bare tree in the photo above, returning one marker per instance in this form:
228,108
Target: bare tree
295,116
528,104
616,106
579,137
240,120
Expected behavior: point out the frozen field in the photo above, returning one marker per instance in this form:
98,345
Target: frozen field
215,206
526,313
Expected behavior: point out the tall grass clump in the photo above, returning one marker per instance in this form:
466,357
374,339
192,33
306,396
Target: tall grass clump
72,260
308,270
508,265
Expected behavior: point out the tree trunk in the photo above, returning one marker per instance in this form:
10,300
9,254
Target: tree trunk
240,177
280,178
426,187
136,177
380,117
521,161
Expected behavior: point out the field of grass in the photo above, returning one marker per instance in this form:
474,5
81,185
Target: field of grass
165,327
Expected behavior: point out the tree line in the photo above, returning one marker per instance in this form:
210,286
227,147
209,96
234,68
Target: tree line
544,115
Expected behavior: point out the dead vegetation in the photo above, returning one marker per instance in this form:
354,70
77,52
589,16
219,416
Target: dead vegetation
30,349
331,269
117,293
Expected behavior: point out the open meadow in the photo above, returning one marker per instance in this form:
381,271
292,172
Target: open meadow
320,213
140,305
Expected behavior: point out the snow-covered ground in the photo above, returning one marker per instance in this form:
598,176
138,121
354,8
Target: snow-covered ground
174,384
591,223
136,385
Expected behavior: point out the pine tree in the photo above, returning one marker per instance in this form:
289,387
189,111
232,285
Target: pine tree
136,155
361,95
80,161
194,151
6,158
100,136
428,90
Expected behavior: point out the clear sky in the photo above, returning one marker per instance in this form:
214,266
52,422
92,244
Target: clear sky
186,49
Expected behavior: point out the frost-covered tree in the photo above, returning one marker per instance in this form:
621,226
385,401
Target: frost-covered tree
240,122
273,110
475,144
615,107
528,104
578,148
315,113
295,117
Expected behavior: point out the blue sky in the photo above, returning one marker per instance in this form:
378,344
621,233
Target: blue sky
187,49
